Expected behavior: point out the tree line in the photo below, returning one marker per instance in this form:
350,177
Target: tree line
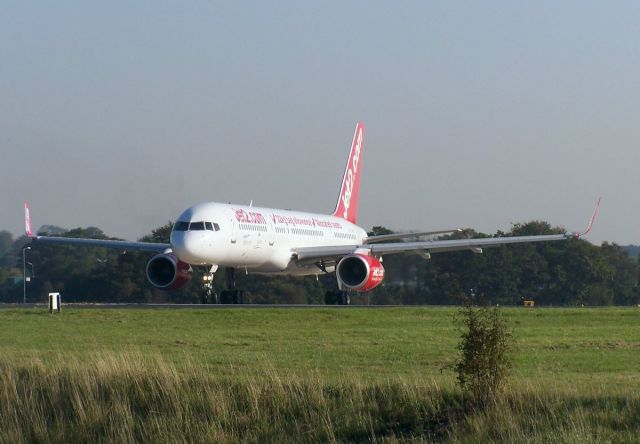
566,273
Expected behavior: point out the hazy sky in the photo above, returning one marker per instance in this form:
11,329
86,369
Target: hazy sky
479,114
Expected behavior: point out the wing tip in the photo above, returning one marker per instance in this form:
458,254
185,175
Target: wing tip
27,220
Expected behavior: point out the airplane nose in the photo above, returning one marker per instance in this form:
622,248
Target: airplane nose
178,243
186,245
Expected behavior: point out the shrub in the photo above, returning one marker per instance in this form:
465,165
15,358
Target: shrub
485,346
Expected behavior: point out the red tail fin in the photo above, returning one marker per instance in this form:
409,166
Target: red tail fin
27,220
347,207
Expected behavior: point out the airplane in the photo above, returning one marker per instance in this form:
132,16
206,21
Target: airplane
276,241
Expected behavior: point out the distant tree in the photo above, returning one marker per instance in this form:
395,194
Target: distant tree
552,273
160,234
51,230
6,242
534,228
379,230
625,274
633,250
8,258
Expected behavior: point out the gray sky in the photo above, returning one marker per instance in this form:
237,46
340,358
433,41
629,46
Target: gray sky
122,114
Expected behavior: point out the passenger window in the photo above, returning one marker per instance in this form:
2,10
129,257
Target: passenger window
181,226
196,226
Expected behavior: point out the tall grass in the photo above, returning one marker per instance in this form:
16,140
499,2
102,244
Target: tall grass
131,398
125,397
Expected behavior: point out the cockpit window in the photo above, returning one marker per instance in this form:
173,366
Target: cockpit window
181,226
196,226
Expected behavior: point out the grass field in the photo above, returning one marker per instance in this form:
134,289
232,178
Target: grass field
230,375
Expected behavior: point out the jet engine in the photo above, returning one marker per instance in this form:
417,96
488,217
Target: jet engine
360,273
167,272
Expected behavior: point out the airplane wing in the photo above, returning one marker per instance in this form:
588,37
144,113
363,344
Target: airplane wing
393,236
105,243
424,247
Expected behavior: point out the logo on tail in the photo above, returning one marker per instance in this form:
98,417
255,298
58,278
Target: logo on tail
347,207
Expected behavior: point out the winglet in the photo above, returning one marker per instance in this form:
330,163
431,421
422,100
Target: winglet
347,206
27,220
593,218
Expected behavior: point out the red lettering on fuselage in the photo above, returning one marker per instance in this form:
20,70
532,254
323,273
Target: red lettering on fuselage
297,221
250,217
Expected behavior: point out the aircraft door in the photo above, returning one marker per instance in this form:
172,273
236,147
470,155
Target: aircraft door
271,234
234,230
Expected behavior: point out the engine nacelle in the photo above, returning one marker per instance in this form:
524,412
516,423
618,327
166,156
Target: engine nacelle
167,272
359,273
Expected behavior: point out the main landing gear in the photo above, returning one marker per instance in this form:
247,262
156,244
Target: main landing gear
229,296
337,297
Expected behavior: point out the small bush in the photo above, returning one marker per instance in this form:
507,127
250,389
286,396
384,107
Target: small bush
485,359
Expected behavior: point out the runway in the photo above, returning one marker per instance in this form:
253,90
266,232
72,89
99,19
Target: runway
141,306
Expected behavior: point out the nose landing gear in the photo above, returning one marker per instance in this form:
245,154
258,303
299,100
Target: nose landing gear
229,296
209,295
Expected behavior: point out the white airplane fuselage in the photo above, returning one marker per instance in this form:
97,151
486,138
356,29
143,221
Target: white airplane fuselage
258,239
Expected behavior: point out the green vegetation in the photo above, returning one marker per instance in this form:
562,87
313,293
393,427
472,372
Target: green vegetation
485,346
309,375
566,273
633,250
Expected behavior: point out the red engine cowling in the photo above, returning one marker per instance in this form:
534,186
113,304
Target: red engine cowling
167,272
360,273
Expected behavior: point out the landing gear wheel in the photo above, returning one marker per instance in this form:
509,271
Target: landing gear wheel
331,298
209,296
232,297
337,297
